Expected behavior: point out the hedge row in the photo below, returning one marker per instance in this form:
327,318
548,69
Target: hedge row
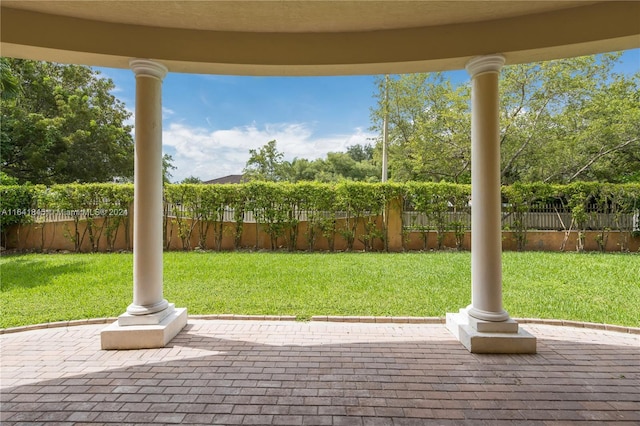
110,203
279,208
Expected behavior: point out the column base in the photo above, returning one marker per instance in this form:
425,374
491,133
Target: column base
486,337
144,331
154,318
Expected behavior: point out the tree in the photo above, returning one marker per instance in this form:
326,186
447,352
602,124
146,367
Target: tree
342,166
360,152
62,125
9,83
613,118
265,163
566,120
605,135
561,121
191,179
167,167
300,169
429,127
5,179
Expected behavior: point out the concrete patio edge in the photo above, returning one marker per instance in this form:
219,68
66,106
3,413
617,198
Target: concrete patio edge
332,318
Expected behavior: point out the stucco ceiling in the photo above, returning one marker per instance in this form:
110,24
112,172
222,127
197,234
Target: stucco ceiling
313,37
291,16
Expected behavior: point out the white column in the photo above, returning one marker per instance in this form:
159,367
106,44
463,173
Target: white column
150,321
486,234
147,205
484,326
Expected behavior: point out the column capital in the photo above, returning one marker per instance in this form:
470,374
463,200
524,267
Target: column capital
148,68
482,64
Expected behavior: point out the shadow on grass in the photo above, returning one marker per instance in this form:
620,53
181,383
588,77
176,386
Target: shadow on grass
19,272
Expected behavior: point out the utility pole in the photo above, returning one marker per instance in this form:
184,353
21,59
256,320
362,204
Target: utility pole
385,129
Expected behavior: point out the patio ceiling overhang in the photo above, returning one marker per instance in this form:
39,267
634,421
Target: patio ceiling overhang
313,37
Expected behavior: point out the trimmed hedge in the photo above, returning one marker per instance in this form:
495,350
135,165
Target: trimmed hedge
279,208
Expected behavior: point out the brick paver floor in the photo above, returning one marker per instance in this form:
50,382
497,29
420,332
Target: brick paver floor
319,373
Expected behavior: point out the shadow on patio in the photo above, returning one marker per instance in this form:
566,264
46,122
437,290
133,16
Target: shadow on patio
261,372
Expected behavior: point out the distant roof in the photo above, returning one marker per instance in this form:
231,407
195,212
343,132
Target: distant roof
226,179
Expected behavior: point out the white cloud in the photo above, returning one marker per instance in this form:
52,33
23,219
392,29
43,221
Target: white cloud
210,154
166,112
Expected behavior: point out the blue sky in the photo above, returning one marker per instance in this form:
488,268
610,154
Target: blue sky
211,121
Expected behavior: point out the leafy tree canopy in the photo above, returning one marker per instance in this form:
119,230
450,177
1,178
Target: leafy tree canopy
360,152
167,168
561,121
265,163
268,164
61,124
191,179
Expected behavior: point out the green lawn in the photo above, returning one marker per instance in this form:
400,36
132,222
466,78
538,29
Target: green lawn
588,287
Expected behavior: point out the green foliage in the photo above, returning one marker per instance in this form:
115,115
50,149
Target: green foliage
16,206
5,179
117,201
360,203
191,179
184,202
561,121
342,166
360,153
214,200
579,195
202,207
268,164
294,216
521,197
316,201
9,82
429,127
458,199
102,206
393,195
267,201
63,125
264,164
608,199
436,201
357,211
167,167
73,199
